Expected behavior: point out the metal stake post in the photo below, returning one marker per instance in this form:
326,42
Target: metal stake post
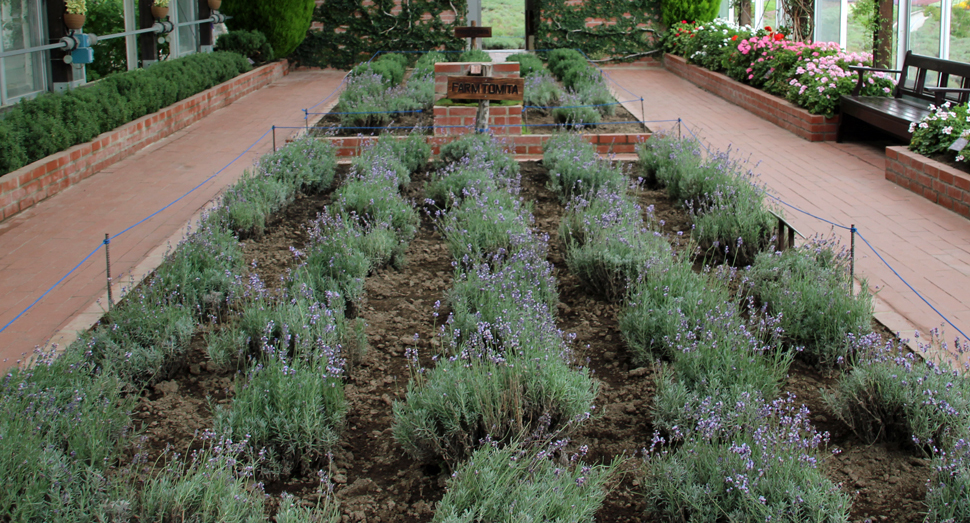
274,138
643,115
852,231
107,261
678,128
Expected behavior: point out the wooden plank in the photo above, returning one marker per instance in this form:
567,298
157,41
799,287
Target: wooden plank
473,32
485,88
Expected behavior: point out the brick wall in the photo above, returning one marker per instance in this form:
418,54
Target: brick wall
519,144
812,127
447,16
505,120
935,181
44,178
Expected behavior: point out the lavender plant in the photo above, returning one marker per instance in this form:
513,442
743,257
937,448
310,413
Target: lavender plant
576,169
373,203
574,111
522,484
667,296
726,471
663,157
452,182
212,484
304,165
291,406
481,148
890,393
485,224
480,393
62,423
809,287
946,491
541,90
607,241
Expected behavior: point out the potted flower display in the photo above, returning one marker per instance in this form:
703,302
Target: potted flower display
160,8
74,11
215,4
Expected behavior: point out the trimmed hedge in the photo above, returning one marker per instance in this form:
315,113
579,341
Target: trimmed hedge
53,122
251,44
284,22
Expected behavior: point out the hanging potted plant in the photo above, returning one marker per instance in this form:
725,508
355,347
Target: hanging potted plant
74,11
160,9
215,4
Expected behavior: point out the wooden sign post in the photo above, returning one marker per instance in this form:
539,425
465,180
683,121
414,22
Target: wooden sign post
474,33
484,88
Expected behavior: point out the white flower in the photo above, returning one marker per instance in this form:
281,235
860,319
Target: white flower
912,127
923,125
947,130
959,158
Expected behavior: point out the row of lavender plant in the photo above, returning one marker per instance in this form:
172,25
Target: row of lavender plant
374,91
887,393
502,398
64,420
296,344
714,402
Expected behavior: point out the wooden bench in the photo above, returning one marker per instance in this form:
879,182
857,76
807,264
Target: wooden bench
911,98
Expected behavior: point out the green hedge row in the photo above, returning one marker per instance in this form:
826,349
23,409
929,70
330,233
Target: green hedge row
53,122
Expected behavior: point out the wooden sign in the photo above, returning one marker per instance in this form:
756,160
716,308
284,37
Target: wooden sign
473,32
485,88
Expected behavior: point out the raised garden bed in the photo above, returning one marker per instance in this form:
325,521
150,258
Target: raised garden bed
21,189
812,127
936,181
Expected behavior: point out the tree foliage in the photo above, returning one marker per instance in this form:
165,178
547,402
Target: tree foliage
284,22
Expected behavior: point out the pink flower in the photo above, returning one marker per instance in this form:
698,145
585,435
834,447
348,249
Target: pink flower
750,76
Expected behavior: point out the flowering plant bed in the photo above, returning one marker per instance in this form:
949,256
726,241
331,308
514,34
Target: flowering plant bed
379,362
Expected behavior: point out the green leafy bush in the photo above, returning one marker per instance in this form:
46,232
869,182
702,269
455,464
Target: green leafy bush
475,55
760,469
576,169
515,483
809,286
284,22
607,242
251,44
53,122
946,492
700,11
891,394
541,90
937,131
529,64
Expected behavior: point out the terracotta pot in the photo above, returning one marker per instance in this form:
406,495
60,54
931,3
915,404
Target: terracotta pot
215,4
73,21
159,12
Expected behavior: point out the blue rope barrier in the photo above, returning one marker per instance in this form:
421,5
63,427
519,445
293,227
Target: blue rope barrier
338,128
947,320
524,107
376,112
70,272
839,225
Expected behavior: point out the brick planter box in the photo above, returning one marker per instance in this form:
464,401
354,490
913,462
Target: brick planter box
781,112
935,181
44,178
527,144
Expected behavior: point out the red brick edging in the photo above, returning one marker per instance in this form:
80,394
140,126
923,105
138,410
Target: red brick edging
935,181
812,127
23,188
530,144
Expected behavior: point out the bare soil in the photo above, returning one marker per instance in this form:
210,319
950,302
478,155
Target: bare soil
377,482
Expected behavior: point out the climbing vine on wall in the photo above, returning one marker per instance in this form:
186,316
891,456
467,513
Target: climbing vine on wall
564,24
353,30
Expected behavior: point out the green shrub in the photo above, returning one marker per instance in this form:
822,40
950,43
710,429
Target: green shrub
425,65
765,469
891,394
700,11
575,168
946,491
453,408
541,90
214,483
373,203
516,483
485,223
475,55
284,22
63,423
482,147
561,58
810,288
607,242
251,44
529,64
102,18
53,122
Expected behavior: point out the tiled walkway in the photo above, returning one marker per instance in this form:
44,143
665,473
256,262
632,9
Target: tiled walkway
41,245
928,245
